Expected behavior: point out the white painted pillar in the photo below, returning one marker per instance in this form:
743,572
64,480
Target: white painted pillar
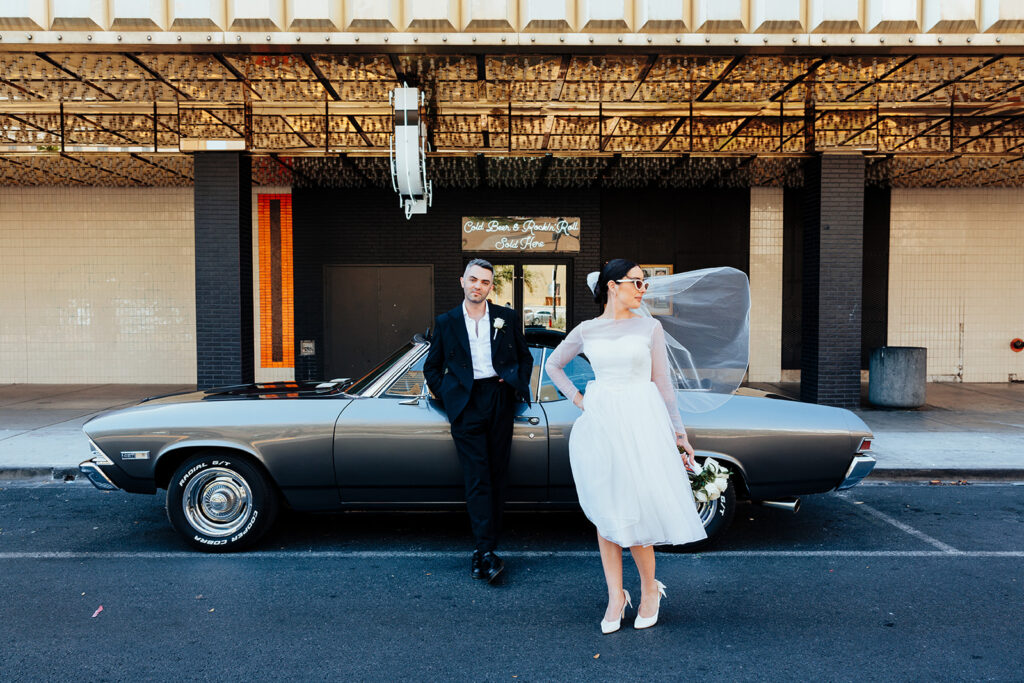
765,284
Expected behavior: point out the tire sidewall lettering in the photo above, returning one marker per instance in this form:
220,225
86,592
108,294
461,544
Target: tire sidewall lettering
210,541
192,471
719,519
254,525
248,526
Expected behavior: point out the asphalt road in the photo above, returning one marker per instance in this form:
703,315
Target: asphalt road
884,582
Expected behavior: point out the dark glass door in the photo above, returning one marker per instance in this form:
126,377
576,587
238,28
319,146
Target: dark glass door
538,290
544,295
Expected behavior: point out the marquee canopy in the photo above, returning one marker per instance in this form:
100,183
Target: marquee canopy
519,93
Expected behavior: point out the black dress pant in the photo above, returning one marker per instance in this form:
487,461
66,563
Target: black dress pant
483,439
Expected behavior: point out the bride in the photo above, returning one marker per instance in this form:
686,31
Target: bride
629,475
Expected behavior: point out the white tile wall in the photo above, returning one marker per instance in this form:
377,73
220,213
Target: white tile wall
97,285
956,280
263,374
765,284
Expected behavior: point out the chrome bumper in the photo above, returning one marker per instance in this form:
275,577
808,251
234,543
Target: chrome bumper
100,480
859,468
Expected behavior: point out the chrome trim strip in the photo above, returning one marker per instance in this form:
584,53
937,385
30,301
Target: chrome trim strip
540,376
98,478
99,457
393,373
860,467
385,381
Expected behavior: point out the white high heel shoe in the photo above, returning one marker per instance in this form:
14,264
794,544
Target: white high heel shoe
647,622
613,626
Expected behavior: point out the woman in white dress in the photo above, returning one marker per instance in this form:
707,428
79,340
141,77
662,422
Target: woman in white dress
630,477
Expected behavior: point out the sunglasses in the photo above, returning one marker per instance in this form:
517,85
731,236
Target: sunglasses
641,285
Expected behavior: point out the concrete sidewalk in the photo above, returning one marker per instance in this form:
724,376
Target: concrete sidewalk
972,429
41,424
965,430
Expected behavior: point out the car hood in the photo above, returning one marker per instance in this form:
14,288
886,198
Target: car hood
249,392
186,409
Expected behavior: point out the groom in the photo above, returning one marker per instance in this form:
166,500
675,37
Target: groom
479,367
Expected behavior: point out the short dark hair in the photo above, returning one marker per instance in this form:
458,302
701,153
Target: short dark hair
615,269
479,262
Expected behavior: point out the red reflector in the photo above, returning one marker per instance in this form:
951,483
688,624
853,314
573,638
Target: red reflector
865,445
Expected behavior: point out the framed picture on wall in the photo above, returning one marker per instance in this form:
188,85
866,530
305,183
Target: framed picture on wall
658,305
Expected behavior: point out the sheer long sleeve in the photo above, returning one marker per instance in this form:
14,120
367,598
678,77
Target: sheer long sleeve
560,357
660,376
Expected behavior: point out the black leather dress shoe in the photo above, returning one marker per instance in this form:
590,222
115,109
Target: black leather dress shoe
493,565
476,567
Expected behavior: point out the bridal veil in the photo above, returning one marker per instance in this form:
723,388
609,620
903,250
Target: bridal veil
706,317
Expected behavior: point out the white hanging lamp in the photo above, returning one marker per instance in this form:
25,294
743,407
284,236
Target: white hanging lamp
407,152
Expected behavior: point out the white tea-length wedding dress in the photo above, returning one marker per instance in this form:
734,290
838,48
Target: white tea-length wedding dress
629,474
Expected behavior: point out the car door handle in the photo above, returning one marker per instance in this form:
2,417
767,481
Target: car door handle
524,418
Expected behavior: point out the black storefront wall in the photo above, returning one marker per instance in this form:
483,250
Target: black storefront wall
351,227
689,229
875,283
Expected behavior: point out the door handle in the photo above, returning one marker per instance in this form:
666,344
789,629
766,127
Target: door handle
532,420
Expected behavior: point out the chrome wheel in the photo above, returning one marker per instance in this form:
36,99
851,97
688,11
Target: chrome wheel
707,511
217,502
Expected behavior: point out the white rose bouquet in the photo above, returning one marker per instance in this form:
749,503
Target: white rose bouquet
499,323
709,481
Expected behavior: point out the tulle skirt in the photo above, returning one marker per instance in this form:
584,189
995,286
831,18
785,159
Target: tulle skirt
629,475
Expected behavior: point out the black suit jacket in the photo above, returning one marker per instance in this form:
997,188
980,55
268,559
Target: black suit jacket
449,365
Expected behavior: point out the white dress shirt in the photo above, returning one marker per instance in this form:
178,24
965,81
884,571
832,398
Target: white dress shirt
480,343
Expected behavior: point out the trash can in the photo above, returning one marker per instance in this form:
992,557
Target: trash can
897,376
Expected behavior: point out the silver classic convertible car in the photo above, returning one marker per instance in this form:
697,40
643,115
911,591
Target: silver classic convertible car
228,457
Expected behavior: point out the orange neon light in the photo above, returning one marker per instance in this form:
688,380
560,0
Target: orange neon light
285,305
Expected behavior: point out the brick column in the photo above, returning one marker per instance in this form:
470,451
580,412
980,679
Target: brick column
833,216
223,225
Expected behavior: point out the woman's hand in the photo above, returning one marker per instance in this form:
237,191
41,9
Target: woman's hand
578,400
683,442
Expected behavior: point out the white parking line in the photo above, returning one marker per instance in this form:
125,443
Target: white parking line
906,528
461,554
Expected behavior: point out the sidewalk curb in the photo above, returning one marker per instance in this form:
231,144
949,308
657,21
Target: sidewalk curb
921,474
54,473
879,475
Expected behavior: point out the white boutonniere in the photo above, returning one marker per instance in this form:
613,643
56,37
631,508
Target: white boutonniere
498,324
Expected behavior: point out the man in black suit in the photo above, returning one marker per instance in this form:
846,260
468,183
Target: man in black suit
479,367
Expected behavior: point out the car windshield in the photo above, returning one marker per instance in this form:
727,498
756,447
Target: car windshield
373,375
410,382
579,372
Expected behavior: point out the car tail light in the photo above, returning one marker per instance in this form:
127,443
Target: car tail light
865,445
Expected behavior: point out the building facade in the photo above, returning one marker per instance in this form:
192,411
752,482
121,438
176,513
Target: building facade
201,192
